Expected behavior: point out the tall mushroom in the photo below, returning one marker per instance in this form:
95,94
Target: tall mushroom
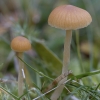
20,44
68,17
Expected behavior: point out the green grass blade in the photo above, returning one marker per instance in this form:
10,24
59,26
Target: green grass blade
87,74
48,56
15,97
36,70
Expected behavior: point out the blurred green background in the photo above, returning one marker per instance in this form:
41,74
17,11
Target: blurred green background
29,18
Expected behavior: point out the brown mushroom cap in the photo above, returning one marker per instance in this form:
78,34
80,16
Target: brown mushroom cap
69,17
20,44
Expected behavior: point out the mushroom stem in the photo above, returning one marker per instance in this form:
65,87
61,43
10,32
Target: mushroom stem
20,76
66,60
66,54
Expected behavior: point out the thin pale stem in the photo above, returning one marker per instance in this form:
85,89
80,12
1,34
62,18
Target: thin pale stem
66,54
66,60
20,75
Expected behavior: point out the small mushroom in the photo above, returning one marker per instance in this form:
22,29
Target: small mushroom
20,44
68,17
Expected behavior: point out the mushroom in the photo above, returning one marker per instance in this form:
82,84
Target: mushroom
68,17
20,44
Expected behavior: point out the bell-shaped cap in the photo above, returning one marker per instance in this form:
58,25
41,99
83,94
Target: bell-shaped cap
20,44
69,17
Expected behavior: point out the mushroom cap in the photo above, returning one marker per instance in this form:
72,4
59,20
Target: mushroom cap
68,17
20,44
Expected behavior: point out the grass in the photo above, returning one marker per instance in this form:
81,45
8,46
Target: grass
72,83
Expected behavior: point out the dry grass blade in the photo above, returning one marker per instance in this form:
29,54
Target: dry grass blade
56,81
